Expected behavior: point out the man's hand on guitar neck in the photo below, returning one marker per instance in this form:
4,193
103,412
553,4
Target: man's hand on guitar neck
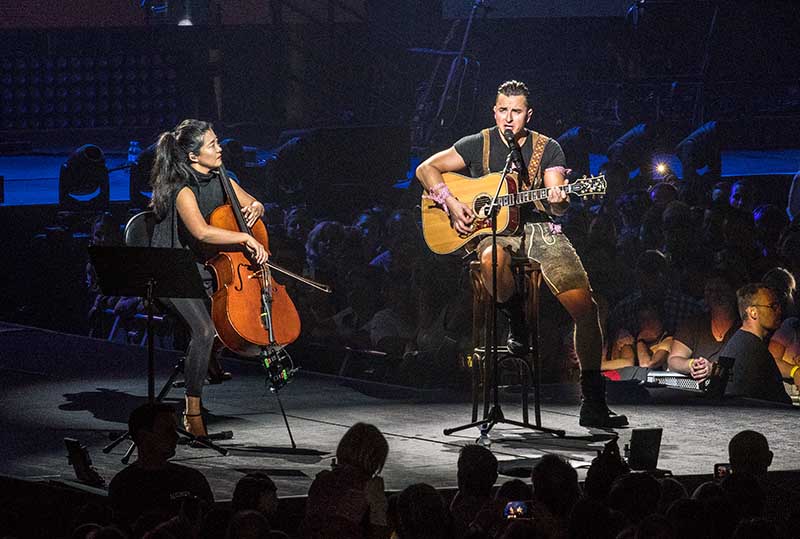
461,215
555,177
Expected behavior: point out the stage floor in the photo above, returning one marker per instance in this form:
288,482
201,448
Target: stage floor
58,385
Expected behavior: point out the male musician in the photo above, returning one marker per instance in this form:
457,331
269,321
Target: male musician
541,239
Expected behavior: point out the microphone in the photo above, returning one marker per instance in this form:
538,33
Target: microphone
516,154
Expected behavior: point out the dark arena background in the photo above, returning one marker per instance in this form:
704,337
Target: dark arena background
690,112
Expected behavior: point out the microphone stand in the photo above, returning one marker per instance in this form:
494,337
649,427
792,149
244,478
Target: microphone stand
495,414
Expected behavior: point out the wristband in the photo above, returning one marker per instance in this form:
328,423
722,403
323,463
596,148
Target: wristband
691,362
439,193
794,370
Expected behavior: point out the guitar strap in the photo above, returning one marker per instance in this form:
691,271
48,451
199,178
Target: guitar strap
535,166
534,173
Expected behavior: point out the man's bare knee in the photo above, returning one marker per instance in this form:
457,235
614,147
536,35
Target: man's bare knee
505,279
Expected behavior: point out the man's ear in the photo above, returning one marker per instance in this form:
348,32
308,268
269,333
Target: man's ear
769,460
192,157
529,115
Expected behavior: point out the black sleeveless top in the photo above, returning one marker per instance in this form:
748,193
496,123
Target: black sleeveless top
207,189
171,232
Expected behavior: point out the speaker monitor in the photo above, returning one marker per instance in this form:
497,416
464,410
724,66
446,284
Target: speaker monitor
645,446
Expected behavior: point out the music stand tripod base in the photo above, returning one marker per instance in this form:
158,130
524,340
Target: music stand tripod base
150,273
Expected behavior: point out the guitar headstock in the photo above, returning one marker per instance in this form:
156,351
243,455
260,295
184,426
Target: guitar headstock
593,186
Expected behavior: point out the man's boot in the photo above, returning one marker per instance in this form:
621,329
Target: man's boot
594,411
514,312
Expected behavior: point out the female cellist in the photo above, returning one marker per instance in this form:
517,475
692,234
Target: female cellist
186,190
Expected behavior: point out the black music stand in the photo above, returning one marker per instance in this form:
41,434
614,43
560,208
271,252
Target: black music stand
149,272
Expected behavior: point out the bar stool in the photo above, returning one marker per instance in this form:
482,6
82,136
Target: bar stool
528,277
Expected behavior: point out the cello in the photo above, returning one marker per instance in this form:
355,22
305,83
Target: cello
253,314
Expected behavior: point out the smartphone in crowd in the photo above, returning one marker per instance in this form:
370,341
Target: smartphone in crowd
517,509
721,471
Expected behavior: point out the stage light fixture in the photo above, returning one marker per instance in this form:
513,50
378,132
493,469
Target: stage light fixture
700,150
140,189
83,180
630,150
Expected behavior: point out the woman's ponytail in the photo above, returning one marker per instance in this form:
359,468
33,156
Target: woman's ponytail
171,168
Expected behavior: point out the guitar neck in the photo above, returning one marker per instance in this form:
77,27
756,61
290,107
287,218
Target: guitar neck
523,197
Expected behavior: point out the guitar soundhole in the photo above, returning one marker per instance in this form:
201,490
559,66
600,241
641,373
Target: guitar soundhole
481,206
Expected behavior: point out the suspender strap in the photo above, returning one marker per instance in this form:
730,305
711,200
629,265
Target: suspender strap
486,147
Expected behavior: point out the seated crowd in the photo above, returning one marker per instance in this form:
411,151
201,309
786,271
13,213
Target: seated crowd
154,498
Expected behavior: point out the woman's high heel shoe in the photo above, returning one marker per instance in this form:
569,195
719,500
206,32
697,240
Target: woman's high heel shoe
194,424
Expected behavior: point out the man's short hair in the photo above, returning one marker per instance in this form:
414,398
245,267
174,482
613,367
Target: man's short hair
746,295
144,417
477,470
514,87
748,451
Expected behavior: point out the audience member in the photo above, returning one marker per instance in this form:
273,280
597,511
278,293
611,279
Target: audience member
784,284
745,495
784,345
422,514
700,338
369,225
106,232
490,519
555,487
298,223
256,492
662,194
720,193
393,328
635,495
672,490
793,200
743,195
591,518
349,500
749,453
755,373
770,223
248,524
756,528
401,243
739,254
706,491
652,342
152,483
656,526
652,287
687,517
604,470
686,256
477,473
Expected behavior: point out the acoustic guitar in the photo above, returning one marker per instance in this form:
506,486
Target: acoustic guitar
477,193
